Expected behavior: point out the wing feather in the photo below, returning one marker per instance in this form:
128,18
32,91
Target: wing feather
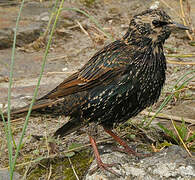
104,65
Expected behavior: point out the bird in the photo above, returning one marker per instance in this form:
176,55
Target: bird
118,82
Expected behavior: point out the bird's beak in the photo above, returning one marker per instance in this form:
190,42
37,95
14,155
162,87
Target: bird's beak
178,26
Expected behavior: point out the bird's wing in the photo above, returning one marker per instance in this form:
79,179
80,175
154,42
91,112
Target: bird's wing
104,65
106,60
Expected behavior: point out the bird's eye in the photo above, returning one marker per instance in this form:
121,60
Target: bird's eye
157,23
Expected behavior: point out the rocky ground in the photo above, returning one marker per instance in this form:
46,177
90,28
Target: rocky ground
71,48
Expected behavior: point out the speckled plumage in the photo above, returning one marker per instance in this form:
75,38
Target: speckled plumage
124,77
117,83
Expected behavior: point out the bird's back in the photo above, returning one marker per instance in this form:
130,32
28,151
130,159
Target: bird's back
117,83
137,86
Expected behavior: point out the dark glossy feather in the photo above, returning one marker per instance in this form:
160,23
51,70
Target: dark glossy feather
118,82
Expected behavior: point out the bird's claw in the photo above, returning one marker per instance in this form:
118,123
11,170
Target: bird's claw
106,167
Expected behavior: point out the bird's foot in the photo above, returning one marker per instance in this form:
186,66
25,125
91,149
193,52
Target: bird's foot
100,164
126,148
104,166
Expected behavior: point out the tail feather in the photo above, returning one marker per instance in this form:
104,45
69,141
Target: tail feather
71,126
37,109
53,107
16,114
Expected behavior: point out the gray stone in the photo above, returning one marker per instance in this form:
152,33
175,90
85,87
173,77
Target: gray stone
169,164
25,35
4,175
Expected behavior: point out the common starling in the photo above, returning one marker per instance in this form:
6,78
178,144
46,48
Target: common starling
117,83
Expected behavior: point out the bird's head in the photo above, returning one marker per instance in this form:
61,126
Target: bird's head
152,26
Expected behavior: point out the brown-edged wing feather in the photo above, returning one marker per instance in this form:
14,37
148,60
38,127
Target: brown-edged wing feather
69,86
101,68
104,61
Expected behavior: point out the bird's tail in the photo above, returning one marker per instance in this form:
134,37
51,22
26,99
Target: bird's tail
72,125
17,113
39,107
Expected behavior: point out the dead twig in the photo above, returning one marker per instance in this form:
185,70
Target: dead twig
46,142
73,169
180,55
168,117
184,19
50,172
51,73
82,28
26,172
181,138
146,134
181,63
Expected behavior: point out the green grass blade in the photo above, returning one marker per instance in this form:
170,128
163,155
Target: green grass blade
38,84
169,132
181,78
191,138
182,130
9,142
169,97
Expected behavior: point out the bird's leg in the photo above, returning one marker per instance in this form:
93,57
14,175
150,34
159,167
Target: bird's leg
126,148
100,164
